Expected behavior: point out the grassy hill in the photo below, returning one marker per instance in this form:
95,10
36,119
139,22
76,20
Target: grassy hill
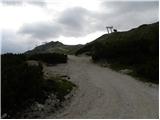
55,47
136,49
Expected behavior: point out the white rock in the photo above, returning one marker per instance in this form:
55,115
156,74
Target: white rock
125,71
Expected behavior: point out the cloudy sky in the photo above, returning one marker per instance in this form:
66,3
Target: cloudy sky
28,23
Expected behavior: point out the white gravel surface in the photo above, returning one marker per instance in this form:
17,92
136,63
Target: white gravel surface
104,93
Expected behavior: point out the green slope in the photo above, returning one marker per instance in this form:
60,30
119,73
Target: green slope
136,49
55,47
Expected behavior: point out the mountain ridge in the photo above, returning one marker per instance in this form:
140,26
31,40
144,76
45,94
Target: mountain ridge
87,48
55,47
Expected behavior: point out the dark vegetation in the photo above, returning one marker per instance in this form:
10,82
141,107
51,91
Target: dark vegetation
50,58
23,84
137,49
61,87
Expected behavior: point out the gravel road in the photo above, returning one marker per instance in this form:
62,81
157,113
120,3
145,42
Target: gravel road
104,93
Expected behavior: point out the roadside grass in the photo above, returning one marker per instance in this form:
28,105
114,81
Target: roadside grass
59,86
134,70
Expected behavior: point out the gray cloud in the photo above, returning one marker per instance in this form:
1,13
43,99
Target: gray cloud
11,2
16,43
41,30
38,3
20,2
78,22
122,7
74,18
125,15
71,23
9,44
74,21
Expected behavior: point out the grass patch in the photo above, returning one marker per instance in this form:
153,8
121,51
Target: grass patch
59,86
145,72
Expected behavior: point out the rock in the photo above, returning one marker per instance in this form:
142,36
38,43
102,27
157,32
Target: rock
37,107
105,65
126,71
32,63
4,115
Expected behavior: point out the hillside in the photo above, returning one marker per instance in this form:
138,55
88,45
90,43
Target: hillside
55,47
142,32
136,49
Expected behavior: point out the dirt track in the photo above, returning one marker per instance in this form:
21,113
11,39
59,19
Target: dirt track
104,93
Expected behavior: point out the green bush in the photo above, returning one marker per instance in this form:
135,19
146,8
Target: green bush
23,84
20,82
59,86
149,69
50,58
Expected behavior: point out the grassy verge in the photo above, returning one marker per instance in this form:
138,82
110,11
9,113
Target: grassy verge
59,86
143,72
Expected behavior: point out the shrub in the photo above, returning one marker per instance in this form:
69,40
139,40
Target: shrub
50,58
59,86
20,82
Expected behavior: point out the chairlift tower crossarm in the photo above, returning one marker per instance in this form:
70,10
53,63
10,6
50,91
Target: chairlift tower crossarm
109,29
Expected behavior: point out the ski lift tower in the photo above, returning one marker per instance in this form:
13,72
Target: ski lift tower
109,29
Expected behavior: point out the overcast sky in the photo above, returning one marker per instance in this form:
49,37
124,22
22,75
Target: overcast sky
28,23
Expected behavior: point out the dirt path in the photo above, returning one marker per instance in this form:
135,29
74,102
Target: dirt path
104,93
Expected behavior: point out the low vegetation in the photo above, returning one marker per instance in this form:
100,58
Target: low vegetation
50,58
61,87
23,84
55,47
137,49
